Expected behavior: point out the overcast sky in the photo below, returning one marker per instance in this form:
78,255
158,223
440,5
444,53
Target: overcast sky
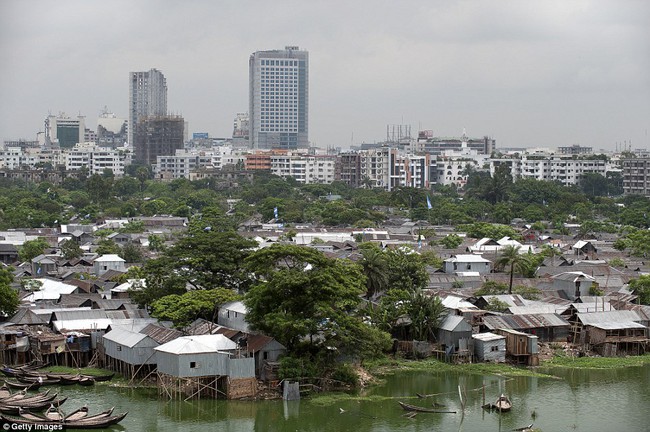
527,73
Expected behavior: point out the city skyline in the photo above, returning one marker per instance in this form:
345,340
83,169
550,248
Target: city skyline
525,73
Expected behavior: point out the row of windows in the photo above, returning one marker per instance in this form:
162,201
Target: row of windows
279,62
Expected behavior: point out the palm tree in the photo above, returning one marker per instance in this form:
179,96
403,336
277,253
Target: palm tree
426,313
510,256
375,269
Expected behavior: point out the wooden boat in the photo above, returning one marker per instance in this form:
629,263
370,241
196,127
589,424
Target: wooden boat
85,381
77,414
10,372
42,381
101,378
415,408
21,386
32,406
52,415
502,404
64,379
5,392
83,423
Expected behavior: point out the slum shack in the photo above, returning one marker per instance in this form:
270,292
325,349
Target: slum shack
205,366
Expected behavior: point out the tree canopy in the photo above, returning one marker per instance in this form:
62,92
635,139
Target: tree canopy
8,296
301,297
185,308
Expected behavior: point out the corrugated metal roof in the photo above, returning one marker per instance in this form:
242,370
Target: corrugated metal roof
572,276
487,337
509,299
618,325
538,309
160,334
88,314
451,322
614,316
198,344
124,337
524,321
82,324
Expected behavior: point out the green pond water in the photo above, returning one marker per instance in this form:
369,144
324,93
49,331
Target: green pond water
576,400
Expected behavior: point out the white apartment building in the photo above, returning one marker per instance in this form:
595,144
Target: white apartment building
279,99
306,169
30,158
374,168
568,171
97,159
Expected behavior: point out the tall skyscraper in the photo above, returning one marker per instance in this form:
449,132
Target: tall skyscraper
157,136
147,97
279,99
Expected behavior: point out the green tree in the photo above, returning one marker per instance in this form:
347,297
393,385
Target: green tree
451,241
8,296
107,247
303,297
491,288
406,270
641,287
32,248
70,249
425,312
510,257
185,308
496,305
373,263
212,254
131,253
156,243
160,280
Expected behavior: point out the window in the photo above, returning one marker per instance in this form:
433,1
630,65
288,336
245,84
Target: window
194,365
494,348
119,348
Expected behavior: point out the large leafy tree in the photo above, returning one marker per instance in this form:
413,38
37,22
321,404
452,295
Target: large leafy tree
32,248
185,308
406,269
8,296
641,287
160,280
70,249
303,297
212,253
510,258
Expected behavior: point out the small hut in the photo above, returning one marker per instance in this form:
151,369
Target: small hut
205,365
490,347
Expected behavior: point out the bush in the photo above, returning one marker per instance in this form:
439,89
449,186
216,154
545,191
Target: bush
295,367
345,373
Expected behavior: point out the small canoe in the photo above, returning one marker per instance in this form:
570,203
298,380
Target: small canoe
84,423
40,380
85,381
416,408
101,378
77,414
21,386
502,404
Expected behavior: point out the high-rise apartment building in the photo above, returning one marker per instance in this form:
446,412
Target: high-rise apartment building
279,99
157,136
147,97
